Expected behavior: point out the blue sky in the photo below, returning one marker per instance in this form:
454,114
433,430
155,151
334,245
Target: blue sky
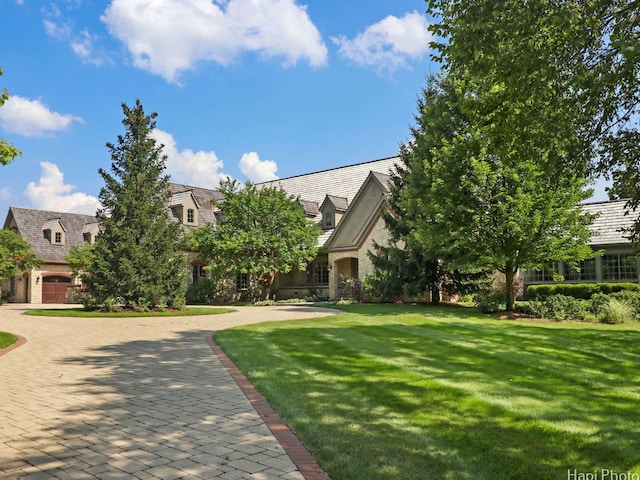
252,89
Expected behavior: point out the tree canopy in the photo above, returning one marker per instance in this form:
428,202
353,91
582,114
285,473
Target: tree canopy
263,232
137,260
543,76
476,198
15,255
7,151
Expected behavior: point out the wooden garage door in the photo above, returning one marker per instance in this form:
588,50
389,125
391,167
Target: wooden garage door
54,289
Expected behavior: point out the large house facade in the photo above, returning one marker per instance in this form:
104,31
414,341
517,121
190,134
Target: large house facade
346,203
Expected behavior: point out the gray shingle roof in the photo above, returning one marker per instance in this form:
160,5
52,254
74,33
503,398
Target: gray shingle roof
340,182
203,196
340,204
310,208
30,225
607,227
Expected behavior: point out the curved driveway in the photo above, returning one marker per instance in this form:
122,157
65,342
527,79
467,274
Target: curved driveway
131,398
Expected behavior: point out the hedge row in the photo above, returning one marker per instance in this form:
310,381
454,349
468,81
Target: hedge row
578,290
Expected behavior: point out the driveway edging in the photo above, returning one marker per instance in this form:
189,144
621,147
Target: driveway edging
299,454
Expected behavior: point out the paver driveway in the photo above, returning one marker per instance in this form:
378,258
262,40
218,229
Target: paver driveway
131,398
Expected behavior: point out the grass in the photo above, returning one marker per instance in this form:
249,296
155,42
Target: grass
81,312
7,339
401,392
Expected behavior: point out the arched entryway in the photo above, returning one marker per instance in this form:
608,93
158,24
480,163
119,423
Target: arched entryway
54,288
346,272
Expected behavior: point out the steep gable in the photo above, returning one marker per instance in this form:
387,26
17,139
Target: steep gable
363,212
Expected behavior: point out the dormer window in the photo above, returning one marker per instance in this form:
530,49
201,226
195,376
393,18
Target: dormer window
90,232
328,219
184,208
54,231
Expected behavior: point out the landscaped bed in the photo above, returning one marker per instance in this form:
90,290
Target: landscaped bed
414,392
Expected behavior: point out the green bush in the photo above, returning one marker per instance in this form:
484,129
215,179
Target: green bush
578,290
617,311
490,301
559,307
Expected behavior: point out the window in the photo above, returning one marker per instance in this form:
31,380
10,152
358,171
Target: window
191,215
619,266
543,274
328,219
58,237
586,273
319,272
87,237
242,281
197,272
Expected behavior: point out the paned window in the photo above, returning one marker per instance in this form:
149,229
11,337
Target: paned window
328,219
619,266
197,272
58,237
191,215
586,273
242,281
542,274
319,272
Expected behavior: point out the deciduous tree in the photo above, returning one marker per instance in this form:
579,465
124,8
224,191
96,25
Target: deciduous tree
476,198
263,232
559,76
7,151
137,260
15,255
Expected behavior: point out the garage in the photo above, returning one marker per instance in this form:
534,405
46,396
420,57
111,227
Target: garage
54,288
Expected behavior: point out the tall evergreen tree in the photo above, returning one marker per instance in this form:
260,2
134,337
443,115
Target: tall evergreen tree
407,265
137,260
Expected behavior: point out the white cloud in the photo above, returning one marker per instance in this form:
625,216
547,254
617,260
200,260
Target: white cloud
172,36
388,44
51,193
59,31
83,46
257,170
31,118
189,167
5,194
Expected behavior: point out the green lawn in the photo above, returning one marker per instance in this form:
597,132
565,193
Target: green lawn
401,392
7,339
81,312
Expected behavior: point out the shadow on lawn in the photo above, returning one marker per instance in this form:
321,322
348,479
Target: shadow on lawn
452,400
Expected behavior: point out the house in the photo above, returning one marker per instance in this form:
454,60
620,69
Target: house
617,260
347,204
51,236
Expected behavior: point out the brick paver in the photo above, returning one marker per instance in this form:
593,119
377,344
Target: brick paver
139,398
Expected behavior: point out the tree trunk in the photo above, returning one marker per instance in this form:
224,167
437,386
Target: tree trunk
510,275
435,294
268,282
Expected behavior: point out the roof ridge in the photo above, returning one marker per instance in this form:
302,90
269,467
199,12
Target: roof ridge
328,170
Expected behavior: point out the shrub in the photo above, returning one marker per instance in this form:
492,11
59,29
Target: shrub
490,301
578,290
559,307
617,311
